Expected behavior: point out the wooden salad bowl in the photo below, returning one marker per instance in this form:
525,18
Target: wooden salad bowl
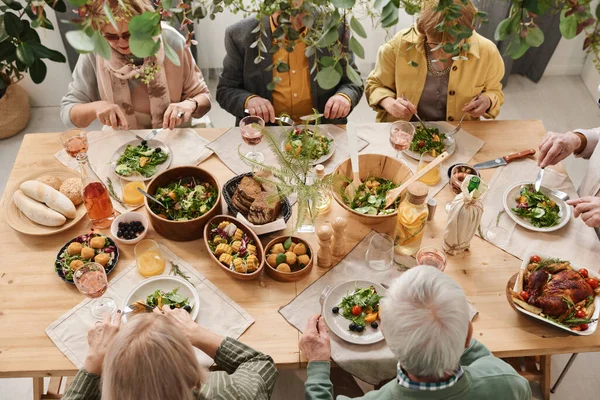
370,165
181,231
260,254
289,276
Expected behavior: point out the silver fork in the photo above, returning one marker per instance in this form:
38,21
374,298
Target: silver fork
324,295
455,130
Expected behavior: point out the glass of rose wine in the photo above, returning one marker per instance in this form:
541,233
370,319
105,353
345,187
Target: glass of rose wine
91,281
252,133
74,141
431,256
401,136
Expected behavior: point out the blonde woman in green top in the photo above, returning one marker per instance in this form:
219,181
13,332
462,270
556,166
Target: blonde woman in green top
152,358
425,321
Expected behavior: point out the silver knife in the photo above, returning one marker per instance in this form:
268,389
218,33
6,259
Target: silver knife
498,162
538,180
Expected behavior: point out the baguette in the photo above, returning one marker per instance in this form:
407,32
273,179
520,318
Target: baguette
49,196
37,212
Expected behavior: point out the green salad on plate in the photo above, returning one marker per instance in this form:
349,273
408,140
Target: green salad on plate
141,159
536,207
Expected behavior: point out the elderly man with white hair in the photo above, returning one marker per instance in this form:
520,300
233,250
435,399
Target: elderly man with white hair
426,324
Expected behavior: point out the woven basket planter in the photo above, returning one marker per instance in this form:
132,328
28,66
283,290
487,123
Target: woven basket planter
14,111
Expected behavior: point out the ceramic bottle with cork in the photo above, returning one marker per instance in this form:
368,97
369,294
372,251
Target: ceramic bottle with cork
412,217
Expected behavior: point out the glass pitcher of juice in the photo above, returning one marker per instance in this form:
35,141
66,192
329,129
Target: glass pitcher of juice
131,194
95,195
412,217
149,259
432,177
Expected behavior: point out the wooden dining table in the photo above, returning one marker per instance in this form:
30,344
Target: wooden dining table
32,296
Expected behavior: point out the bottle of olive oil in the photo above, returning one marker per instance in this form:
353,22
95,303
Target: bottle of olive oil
412,217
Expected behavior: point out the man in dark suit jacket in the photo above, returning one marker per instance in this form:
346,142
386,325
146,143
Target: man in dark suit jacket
243,84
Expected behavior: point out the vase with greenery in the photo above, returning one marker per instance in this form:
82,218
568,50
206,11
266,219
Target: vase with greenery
292,174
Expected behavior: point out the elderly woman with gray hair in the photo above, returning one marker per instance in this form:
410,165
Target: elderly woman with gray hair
425,321
152,358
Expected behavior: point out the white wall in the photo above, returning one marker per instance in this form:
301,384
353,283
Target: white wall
568,58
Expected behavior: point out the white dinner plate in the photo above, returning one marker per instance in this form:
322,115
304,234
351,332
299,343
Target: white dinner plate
450,142
339,325
591,273
510,202
151,143
167,284
322,132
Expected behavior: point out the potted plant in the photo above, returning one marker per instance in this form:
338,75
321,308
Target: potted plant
22,52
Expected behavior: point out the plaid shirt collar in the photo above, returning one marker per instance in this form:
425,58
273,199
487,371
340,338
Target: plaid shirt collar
405,381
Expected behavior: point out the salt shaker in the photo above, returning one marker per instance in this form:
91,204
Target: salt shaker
338,243
324,257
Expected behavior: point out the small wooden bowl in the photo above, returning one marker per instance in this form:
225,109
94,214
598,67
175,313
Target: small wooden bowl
289,276
371,165
260,254
181,231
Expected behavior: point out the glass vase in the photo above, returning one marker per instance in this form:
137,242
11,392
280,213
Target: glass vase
305,221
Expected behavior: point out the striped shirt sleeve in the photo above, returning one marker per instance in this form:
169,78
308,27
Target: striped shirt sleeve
248,374
85,386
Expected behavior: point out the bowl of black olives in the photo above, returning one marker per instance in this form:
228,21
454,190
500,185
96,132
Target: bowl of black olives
129,228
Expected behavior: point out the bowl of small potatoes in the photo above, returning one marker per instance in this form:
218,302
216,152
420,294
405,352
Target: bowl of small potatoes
288,258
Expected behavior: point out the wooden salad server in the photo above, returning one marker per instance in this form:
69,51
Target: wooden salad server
353,147
392,195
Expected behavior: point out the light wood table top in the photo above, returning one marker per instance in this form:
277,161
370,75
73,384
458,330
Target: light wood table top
32,296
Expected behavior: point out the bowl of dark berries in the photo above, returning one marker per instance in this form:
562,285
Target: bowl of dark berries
129,228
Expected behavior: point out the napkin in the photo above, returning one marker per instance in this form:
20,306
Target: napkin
467,146
371,363
274,226
217,311
226,148
187,148
575,242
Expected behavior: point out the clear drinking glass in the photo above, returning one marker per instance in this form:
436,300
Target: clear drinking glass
149,258
252,133
431,256
380,254
401,136
432,177
74,141
91,281
499,231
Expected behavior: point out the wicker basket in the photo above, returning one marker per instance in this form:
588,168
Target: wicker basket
15,112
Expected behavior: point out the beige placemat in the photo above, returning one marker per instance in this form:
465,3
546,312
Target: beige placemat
378,135
187,146
226,148
371,363
575,242
217,312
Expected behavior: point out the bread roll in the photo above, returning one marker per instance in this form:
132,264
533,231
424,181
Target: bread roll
72,189
52,198
50,180
37,212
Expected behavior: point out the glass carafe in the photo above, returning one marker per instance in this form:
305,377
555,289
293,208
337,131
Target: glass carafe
95,195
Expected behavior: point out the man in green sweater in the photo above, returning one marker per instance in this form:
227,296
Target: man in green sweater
426,324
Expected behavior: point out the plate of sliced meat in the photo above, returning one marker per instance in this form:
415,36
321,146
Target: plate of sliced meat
259,203
558,293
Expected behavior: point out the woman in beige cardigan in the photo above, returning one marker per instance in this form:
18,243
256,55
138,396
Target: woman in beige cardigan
127,92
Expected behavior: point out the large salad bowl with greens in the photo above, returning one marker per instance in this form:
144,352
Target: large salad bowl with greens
537,211
190,196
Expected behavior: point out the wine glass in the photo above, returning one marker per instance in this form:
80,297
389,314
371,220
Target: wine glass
432,177
497,234
431,256
401,136
74,141
380,254
149,258
92,282
252,133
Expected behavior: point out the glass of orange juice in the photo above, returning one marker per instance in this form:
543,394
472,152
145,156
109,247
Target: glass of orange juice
149,259
131,194
432,177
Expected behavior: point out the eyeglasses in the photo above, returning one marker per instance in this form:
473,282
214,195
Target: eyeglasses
113,37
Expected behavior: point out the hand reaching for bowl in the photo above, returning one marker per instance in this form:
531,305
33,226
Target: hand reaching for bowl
588,208
315,343
100,336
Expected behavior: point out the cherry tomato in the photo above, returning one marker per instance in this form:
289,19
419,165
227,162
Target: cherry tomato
583,272
592,282
580,314
535,259
583,327
524,295
421,143
356,310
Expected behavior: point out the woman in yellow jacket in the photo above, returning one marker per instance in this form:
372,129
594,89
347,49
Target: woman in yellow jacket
437,87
